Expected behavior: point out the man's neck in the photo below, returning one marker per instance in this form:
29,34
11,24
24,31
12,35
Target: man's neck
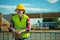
20,16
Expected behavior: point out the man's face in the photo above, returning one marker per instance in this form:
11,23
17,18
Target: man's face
20,12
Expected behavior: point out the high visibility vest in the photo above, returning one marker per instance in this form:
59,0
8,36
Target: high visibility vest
21,25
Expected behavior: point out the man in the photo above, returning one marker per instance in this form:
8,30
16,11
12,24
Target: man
20,24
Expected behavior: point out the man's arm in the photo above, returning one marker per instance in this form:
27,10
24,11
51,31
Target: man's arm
28,26
12,26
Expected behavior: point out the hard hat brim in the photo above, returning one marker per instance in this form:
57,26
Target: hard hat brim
19,9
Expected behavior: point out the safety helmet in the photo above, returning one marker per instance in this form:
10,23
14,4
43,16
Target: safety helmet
20,7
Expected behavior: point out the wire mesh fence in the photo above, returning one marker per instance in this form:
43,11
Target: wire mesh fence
33,36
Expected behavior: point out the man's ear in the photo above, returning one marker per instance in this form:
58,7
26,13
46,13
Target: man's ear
24,12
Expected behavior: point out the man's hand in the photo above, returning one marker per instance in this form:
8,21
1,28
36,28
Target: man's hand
19,32
15,31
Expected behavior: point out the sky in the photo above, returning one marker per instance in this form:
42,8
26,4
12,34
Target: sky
31,6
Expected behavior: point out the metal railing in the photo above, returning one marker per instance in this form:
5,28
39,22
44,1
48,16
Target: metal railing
45,36
33,36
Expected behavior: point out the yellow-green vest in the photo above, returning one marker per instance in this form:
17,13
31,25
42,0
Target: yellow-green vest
21,25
